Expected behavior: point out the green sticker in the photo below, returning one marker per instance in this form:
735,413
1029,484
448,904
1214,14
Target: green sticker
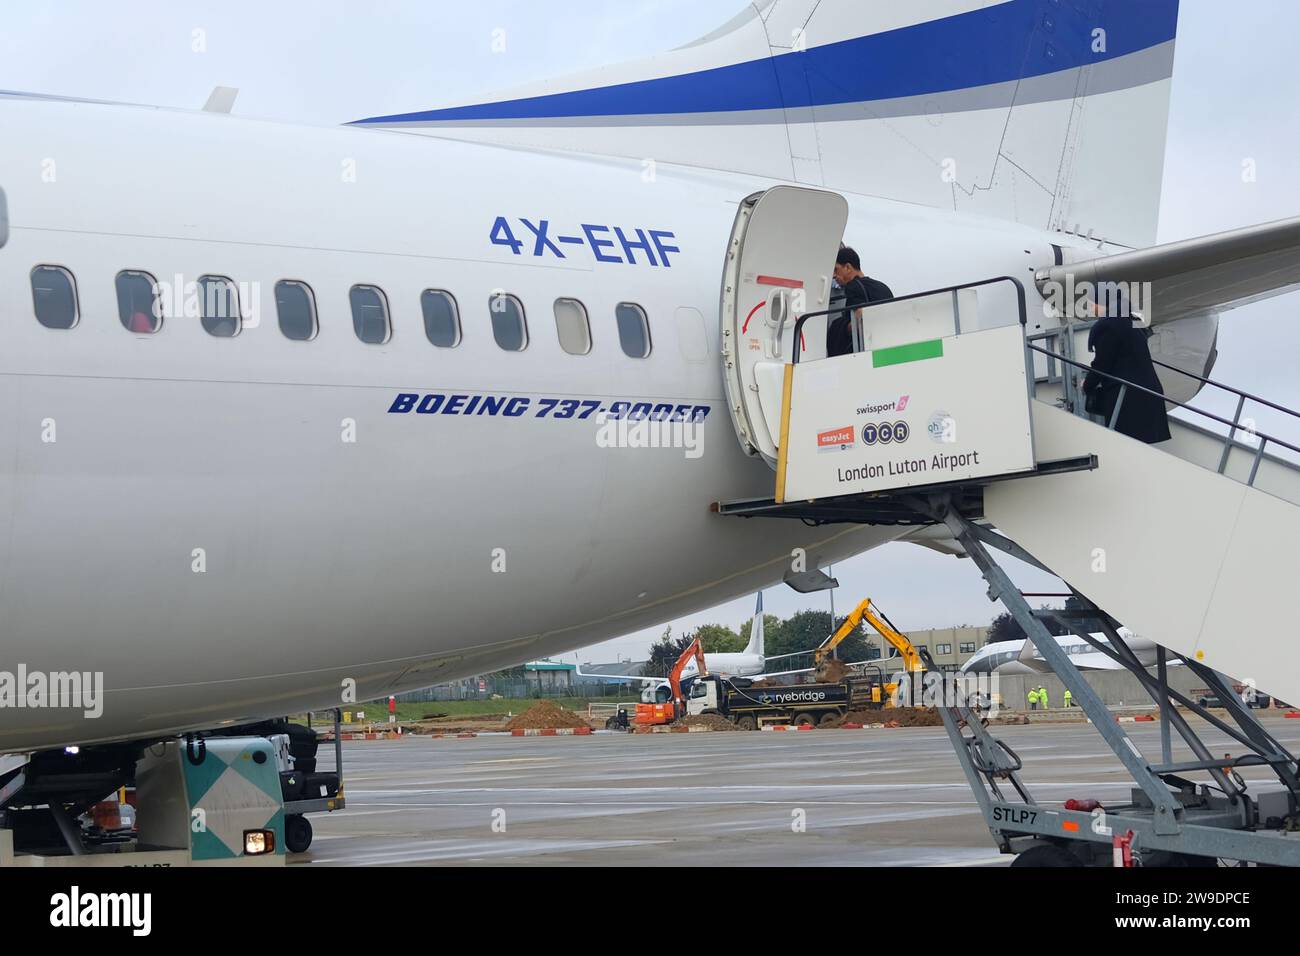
900,354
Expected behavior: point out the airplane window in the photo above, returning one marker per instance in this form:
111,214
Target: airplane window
509,327
633,330
54,295
370,314
137,302
573,327
295,306
441,318
219,307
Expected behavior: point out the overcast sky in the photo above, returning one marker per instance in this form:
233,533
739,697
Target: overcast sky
1236,95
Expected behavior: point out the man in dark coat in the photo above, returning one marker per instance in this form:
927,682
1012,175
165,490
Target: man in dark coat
858,289
1121,350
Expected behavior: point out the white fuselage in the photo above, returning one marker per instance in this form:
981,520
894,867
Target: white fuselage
234,528
726,664
729,665
1013,657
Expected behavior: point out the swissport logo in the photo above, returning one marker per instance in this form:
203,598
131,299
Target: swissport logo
879,407
837,439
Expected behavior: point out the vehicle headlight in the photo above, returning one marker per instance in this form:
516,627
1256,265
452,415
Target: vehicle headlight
259,842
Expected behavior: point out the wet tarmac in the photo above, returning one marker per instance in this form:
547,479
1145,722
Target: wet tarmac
821,798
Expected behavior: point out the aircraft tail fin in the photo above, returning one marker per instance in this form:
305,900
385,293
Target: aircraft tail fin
755,645
1049,113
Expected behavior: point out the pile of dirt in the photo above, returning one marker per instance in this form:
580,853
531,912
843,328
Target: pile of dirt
833,671
545,715
711,721
893,717
477,723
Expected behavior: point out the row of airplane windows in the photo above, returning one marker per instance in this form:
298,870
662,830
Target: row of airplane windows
54,295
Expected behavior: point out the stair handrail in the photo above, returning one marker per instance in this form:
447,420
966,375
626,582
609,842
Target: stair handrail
1241,393
1125,385
1242,397
1020,302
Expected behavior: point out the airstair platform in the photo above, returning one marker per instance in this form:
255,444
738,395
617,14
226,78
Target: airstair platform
900,507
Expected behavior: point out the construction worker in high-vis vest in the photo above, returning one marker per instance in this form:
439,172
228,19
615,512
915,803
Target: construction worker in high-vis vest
1033,698
1069,698
1042,697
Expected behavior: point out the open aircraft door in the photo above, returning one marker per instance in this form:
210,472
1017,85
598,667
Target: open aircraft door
780,265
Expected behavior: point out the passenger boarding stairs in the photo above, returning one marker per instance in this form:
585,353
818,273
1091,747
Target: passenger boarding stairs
1191,543
975,430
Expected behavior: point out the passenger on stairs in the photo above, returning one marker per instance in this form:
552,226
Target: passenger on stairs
859,289
1121,351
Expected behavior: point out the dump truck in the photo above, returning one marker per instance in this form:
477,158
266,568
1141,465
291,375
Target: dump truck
829,697
750,705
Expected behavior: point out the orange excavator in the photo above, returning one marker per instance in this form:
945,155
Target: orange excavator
649,715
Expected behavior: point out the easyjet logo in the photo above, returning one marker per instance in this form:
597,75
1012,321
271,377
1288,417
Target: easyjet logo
837,439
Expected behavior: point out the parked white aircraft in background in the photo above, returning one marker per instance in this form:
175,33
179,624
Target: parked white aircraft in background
1021,657
750,662
291,413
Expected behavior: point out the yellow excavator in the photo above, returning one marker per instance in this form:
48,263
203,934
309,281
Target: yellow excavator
828,668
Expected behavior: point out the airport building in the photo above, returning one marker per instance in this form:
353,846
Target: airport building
949,647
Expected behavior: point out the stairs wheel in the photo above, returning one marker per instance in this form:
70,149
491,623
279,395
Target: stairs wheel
1047,855
297,833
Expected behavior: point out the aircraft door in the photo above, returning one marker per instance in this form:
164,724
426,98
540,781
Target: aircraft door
780,265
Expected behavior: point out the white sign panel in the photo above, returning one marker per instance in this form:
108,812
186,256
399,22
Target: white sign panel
926,413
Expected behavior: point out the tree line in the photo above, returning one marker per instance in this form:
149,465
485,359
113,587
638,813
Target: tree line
1007,628
802,631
